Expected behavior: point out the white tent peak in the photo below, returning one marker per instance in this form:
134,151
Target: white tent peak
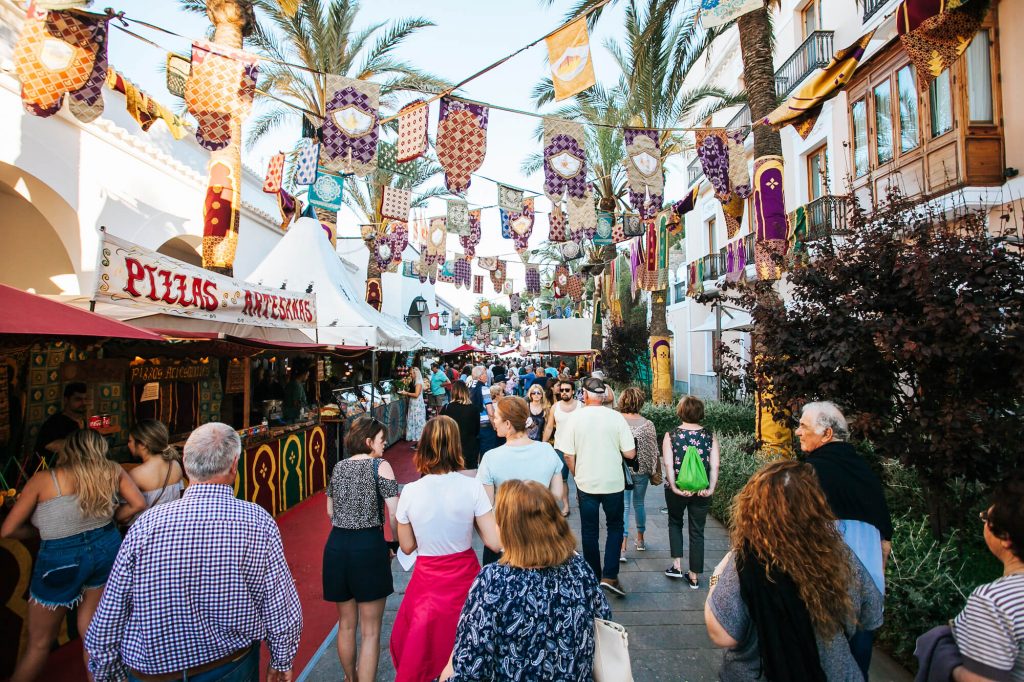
303,256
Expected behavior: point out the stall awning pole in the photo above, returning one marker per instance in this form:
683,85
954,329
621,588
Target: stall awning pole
373,377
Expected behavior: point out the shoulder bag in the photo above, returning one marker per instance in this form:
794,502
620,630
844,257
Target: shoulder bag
611,652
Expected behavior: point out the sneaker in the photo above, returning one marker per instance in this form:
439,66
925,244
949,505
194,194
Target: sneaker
664,510
622,559
693,582
641,546
673,572
613,586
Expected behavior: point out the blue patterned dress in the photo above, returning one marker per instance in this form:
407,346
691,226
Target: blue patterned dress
529,624
416,418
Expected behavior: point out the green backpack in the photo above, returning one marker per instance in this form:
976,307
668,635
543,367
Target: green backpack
692,474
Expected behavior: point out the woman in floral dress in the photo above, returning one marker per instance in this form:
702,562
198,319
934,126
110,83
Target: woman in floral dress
417,415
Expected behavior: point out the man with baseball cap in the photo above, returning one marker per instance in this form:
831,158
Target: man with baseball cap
597,439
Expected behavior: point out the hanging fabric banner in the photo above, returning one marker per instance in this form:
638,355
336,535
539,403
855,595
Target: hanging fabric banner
351,129
803,107
485,312
472,238
437,241
718,12
275,173
935,33
509,198
413,120
521,225
769,216
556,224
686,204
514,303
739,175
220,216
487,262
507,289
582,218
570,250
458,217
572,70
219,91
605,224
478,284
463,272
655,268
632,226
177,69
560,281
713,151
307,157
326,192
574,289
565,160
643,171
395,203
498,276
461,141
733,212
374,293
86,103
290,208
396,235
532,280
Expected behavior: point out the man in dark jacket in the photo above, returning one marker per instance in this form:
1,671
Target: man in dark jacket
855,495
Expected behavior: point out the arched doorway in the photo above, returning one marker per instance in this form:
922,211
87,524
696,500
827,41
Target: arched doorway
33,256
186,248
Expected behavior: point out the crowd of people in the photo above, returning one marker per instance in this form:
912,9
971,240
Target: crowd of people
200,579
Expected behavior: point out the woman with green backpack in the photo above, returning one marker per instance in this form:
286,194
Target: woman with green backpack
690,453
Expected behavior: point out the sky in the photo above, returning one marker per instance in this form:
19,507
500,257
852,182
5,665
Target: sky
468,36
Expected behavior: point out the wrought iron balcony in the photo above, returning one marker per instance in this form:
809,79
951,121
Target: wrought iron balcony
814,53
694,172
826,217
742,118
748,244
714,266
871,8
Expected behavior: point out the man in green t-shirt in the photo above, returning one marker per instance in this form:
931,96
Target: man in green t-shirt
597,440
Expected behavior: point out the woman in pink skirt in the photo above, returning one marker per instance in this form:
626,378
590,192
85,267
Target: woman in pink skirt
436,516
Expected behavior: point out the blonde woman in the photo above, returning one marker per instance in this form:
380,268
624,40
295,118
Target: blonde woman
159,477
417,414
73,507
540,408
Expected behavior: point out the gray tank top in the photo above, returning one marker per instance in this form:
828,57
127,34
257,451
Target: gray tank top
61,518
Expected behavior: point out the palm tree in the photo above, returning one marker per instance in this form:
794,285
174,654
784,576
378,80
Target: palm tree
232,21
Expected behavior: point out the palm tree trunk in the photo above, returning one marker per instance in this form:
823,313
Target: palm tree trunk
775,437
231,21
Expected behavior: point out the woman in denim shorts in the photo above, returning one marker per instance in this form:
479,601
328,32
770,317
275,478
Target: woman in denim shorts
73,506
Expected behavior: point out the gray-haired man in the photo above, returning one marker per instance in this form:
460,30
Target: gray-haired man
199,583
855,495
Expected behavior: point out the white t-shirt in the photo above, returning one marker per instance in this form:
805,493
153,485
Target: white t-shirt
561,417
597,436
441,509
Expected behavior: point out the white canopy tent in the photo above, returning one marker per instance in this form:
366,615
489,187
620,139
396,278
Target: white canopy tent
304,258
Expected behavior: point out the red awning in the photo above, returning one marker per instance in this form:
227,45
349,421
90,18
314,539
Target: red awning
26,313
292,345
464,348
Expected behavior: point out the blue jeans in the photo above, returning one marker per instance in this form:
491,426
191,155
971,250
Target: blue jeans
861,645
636,496
66,567
245,669
590,530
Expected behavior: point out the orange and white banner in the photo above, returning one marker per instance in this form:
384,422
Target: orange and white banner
131,275
572,70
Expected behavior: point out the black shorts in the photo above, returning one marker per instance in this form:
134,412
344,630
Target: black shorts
357,565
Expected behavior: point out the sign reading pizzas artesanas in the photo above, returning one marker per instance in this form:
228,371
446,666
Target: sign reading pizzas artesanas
132,275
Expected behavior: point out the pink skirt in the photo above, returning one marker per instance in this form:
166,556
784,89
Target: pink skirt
424,632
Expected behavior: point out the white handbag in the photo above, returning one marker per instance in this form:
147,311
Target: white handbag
611,652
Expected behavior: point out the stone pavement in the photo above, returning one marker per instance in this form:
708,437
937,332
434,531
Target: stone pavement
664,617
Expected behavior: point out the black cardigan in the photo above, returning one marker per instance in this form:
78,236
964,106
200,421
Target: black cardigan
853,490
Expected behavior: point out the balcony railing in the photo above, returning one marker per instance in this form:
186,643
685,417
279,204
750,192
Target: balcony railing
826,217
714,266
742,118
694,172
814,53
871,8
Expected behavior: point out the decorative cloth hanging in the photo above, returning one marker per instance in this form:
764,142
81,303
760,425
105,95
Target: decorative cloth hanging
446,273
803,107
565,159
394,235
521,224
413,120
55,55
514,303
275,174
485,312
643,171
560,281
686,204
498,276
582,217
290,208
532,280
463,272
572,70
351,128
507,289
176,69
86,103
570,250
771,226
326,192
574,289
632,226
458,217
713,151
936,32
739,176
488,263
509,198
437,241
395,203
718,12
461,141
655,271
618,233
733,212
605,225
425,269
557,224
478,284
307,157
219,91
470,240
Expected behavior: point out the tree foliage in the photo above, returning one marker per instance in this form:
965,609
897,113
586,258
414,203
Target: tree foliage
914,325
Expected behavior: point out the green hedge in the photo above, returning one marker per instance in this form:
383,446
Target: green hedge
737,463
722,418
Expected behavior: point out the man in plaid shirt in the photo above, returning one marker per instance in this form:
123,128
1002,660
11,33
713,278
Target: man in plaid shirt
198,584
